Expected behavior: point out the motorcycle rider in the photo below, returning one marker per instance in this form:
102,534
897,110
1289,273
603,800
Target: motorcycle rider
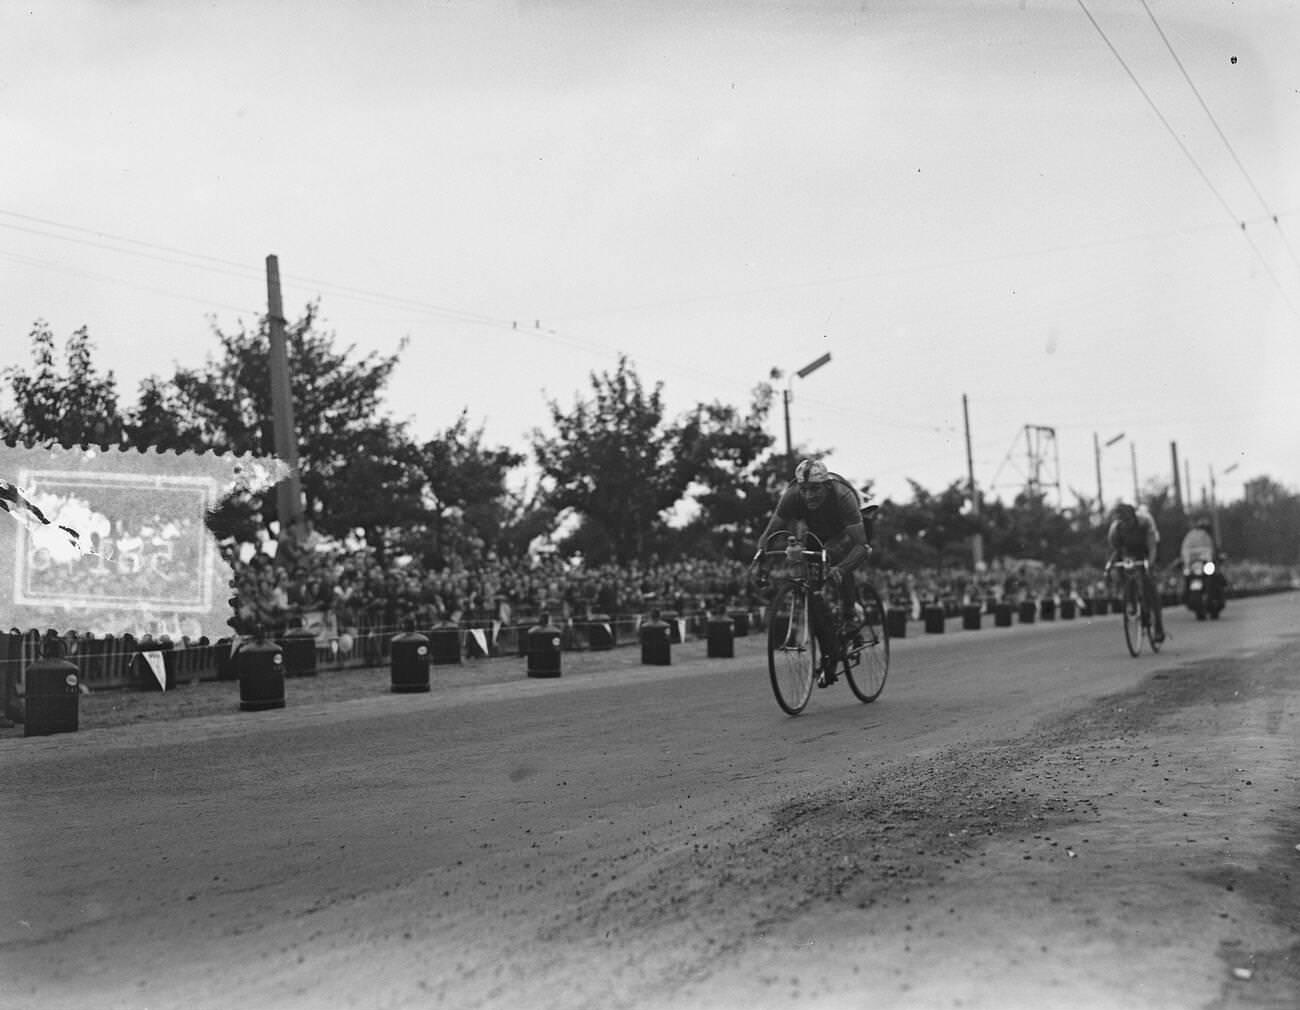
1198,545
1133,534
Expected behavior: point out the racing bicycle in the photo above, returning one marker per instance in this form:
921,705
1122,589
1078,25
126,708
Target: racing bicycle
799,603
1137,612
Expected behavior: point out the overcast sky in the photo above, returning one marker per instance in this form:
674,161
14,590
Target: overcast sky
1037,203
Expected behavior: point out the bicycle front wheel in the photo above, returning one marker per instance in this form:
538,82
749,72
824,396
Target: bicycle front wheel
867,675
1132,617
791,648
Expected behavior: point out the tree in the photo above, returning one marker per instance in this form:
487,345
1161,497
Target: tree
1264,525
615,461
929,531
467,485
736,478
76,406
358,469
161,420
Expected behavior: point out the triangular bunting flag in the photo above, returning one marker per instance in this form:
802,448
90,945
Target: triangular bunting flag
159,668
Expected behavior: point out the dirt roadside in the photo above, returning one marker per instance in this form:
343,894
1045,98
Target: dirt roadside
1138,853
117,708
1128,855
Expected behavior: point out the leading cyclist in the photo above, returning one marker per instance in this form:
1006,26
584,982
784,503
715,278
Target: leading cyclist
1133,534
826,505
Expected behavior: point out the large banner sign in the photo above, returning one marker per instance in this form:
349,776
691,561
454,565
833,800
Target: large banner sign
110,541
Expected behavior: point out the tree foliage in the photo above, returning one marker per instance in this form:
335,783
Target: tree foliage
616,462
358,469
466,484
1264,525
72,405
735,476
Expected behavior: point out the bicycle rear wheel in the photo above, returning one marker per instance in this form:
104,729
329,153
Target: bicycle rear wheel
1132,617
867,675
1148,630
791,648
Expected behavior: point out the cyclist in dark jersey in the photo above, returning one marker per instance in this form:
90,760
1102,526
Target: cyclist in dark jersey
1133,534
826,505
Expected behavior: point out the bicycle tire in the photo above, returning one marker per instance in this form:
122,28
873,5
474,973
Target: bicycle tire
1148,630
791,648
1132,617
867,676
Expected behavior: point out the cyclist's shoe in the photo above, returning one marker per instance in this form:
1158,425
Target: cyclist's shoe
1158,636
827,676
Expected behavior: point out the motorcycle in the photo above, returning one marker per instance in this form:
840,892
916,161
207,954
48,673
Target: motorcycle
1204,589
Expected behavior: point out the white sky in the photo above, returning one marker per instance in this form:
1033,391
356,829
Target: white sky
949,197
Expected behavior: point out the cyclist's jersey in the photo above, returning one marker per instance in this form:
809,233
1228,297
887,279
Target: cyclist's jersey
838,511
1132,539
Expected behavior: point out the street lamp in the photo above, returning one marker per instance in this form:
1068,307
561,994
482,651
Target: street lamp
1214,501
787,394
1096,449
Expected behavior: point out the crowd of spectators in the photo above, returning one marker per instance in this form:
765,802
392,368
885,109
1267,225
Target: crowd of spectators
350,591
339,591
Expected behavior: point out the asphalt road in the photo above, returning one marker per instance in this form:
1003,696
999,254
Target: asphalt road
1027,817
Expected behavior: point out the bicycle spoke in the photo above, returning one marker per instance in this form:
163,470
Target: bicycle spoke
868,664
1132,618
791,649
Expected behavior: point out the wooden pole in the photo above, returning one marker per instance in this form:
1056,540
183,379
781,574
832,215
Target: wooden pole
288,493
977,541
1178,482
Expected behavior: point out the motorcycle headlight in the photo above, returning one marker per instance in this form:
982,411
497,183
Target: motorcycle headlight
1209,568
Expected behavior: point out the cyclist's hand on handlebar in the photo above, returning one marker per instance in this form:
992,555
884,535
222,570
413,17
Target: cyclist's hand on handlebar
835,575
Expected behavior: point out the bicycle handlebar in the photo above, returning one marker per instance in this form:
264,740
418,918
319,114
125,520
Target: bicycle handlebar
795,552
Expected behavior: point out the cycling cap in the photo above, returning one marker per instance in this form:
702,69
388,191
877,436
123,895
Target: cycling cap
811,471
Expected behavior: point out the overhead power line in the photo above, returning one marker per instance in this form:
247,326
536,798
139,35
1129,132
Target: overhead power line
1188,154
1219,130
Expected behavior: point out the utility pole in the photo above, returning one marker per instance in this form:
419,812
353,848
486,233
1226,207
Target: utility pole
1214,503
1133,457
787,395
288,493
977,541
785,402
1178,484
1096,459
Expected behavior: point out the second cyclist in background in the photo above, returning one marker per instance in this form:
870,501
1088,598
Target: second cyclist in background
825,504
1133,534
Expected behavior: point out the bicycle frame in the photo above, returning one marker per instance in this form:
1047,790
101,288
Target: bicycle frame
793,648
1137,619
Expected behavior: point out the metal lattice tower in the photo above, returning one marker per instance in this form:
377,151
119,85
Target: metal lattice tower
1040,441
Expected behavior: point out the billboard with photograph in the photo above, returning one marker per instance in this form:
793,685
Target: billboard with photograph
113,541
